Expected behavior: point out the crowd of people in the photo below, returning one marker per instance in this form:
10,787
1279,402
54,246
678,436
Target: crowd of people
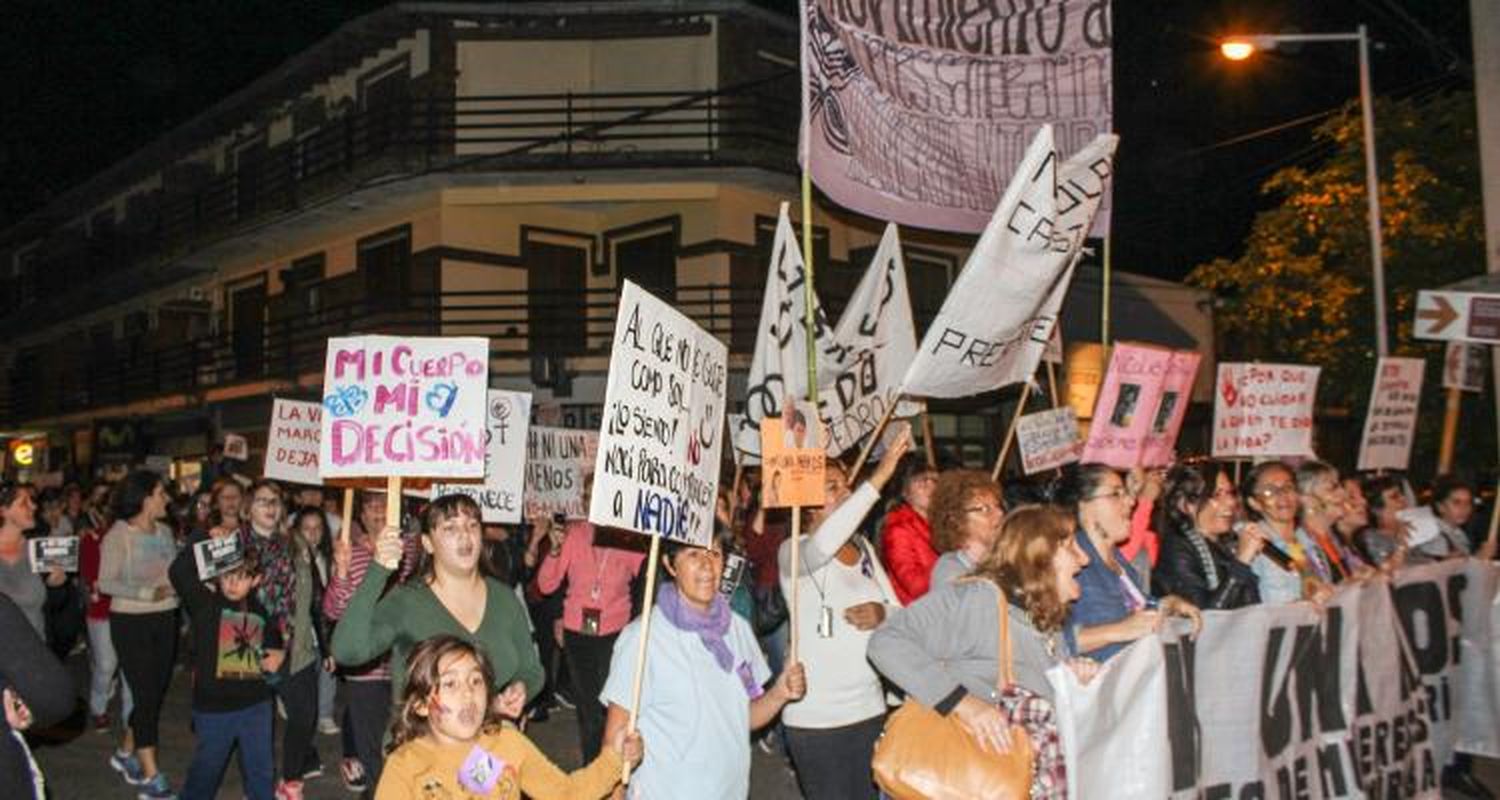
428,645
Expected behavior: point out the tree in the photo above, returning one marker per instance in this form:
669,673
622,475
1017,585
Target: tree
1301,291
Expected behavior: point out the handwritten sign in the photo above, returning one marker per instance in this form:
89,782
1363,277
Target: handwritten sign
559,463
214,557
1126,405
1391,422
54,552
408,406
1048,439
1171,408
791,448
292,441
657,471
1264,410
1463,367
236,447
499,494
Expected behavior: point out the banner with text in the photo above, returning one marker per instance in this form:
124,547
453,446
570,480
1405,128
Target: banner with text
1391,419
657,471
408,406
1131,393
1048,439
559,462
1001,312
917,112
1264,410
499,494
1366,698
292,441
1166,423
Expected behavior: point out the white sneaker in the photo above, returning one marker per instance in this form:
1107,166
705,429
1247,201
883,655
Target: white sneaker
327,726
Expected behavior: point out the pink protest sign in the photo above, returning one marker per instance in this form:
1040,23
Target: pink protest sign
404,406
1264,410
1166,423
1127,405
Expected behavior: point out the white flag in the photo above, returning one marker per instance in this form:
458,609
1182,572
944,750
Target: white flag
778,368
1002,310
879,341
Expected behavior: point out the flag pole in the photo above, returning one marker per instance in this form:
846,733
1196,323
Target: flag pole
653,563
1010,432
864,452
807,288
929,442
1104,304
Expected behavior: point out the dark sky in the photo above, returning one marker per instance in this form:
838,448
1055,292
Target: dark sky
85,83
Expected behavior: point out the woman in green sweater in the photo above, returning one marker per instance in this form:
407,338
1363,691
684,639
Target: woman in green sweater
446,595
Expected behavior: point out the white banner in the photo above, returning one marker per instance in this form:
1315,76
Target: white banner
1391,419
499,494
1048,439
1001,312
657,471
879,341
408,406
1264,410
292,441
1367,697
559,464
778,367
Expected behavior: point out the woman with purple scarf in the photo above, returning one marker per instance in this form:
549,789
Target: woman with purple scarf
704,687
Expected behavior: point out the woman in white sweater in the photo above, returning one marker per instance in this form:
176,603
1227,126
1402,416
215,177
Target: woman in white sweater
843,595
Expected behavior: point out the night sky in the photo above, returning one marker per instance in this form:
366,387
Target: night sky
86,83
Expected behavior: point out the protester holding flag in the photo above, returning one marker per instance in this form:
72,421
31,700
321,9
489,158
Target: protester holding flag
967,512
704,687
843,596
943,649
906,537
1453,505
1116,606
1195,517
1290,566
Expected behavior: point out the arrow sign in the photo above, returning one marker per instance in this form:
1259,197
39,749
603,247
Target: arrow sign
1440,317
1457,317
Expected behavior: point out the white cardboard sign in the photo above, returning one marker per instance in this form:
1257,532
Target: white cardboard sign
292,441
499,494
1391,421
1264,410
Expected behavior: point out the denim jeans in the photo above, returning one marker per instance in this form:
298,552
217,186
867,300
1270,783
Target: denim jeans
103,665
218,733
328,686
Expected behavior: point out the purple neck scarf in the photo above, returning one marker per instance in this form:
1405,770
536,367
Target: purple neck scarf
710,627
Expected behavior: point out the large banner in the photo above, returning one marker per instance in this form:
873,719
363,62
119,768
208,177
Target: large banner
657,471
919,112
1264,410
1391,420
879,341
1367,697
407,406
499,494
1001,312
292,441
559,464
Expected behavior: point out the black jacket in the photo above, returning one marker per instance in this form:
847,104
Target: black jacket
1179,571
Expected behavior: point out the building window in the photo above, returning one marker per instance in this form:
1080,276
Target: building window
650,262
385,262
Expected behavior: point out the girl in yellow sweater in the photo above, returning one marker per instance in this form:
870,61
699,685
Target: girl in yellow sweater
447,743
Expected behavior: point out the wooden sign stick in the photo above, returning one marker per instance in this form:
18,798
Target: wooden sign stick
653,562
347,528
393,501
864,454
1010,432
792,601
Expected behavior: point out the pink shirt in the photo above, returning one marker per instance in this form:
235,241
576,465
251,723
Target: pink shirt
598,577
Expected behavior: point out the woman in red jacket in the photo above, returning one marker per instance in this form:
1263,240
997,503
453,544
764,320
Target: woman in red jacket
906,538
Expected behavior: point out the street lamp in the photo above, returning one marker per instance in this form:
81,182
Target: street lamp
1239,48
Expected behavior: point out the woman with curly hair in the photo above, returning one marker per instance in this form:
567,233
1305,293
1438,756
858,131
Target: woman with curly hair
966,514
943,649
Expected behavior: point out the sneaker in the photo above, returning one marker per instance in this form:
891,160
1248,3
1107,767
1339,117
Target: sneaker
328,727
315,771
564,701
353,773
129,767
289,790
157,789
101,723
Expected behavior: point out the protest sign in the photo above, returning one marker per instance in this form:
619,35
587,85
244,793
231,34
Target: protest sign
292,441
404,406
559,462
1264,410
214,557
53,552
1083,373
236,447
1048,439
1166,423
499,494
657,471
792,460
1127,402
1367,696
1464,367
1002,311
915,111
1391,420
778,366
879,341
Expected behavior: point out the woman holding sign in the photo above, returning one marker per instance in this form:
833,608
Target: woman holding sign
17,580
447,594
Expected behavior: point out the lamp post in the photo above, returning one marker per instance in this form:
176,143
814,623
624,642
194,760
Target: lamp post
1239,48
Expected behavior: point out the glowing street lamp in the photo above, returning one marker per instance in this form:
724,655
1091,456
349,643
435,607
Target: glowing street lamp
1239,48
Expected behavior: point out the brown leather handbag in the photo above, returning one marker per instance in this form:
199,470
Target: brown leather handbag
924,755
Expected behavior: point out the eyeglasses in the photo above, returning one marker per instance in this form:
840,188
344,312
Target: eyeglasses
1276,490
1119,493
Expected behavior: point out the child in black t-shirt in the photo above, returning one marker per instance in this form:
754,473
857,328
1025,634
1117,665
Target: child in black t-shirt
234,646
